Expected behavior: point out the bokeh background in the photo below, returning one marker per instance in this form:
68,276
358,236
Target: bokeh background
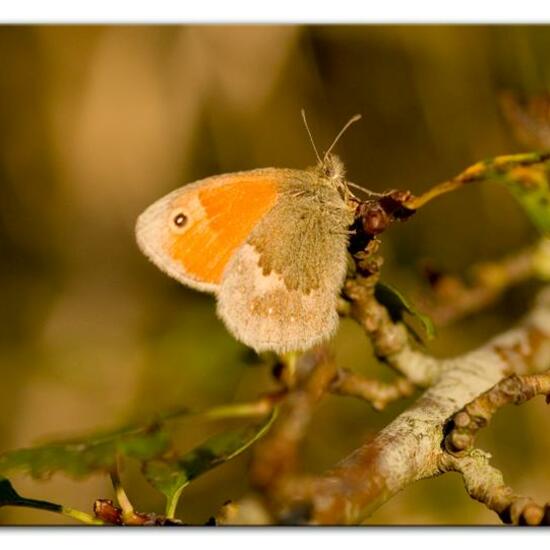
98,122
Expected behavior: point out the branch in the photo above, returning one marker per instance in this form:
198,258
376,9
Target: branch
410,448
390,340
379,394
477,414
485,484
484,170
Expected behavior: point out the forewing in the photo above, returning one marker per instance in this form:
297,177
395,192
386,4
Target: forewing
219,212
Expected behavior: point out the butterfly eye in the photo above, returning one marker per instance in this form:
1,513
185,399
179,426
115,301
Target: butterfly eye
179,220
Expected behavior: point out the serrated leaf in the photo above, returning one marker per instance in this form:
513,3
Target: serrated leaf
397,305
171,475
82,456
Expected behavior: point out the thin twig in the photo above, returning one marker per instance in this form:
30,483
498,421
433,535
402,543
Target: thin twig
479,172
379,394
485,484
390,340
477,414
120,493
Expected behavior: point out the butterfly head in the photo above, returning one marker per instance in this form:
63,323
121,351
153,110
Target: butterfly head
330,171
330,168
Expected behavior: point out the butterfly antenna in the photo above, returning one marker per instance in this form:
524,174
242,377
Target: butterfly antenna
366,191
353,119
310,136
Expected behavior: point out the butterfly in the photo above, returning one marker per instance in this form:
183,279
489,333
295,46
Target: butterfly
270,244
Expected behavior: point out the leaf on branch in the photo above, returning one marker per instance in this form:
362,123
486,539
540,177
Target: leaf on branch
82,456
397,305
150,444
172,474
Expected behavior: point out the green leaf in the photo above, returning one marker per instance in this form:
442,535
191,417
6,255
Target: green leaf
149,443
98,452
172,474
82,456
397,305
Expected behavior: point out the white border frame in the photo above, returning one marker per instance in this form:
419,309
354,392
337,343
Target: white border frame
280,11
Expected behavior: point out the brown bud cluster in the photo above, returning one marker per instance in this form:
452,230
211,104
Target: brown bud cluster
374,216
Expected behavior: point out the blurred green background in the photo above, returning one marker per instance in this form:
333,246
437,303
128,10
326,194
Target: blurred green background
98,122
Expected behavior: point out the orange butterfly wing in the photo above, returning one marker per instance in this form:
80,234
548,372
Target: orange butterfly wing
231,212
220,213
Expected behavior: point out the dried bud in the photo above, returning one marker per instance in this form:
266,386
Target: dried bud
105,510
375,219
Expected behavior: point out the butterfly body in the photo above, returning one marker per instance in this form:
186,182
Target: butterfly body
271,244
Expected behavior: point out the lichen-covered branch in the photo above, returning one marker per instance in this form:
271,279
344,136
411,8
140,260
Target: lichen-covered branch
411,447
477,414
485,484
390,340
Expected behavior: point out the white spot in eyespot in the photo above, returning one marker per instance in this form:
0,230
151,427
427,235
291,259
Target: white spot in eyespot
180,220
